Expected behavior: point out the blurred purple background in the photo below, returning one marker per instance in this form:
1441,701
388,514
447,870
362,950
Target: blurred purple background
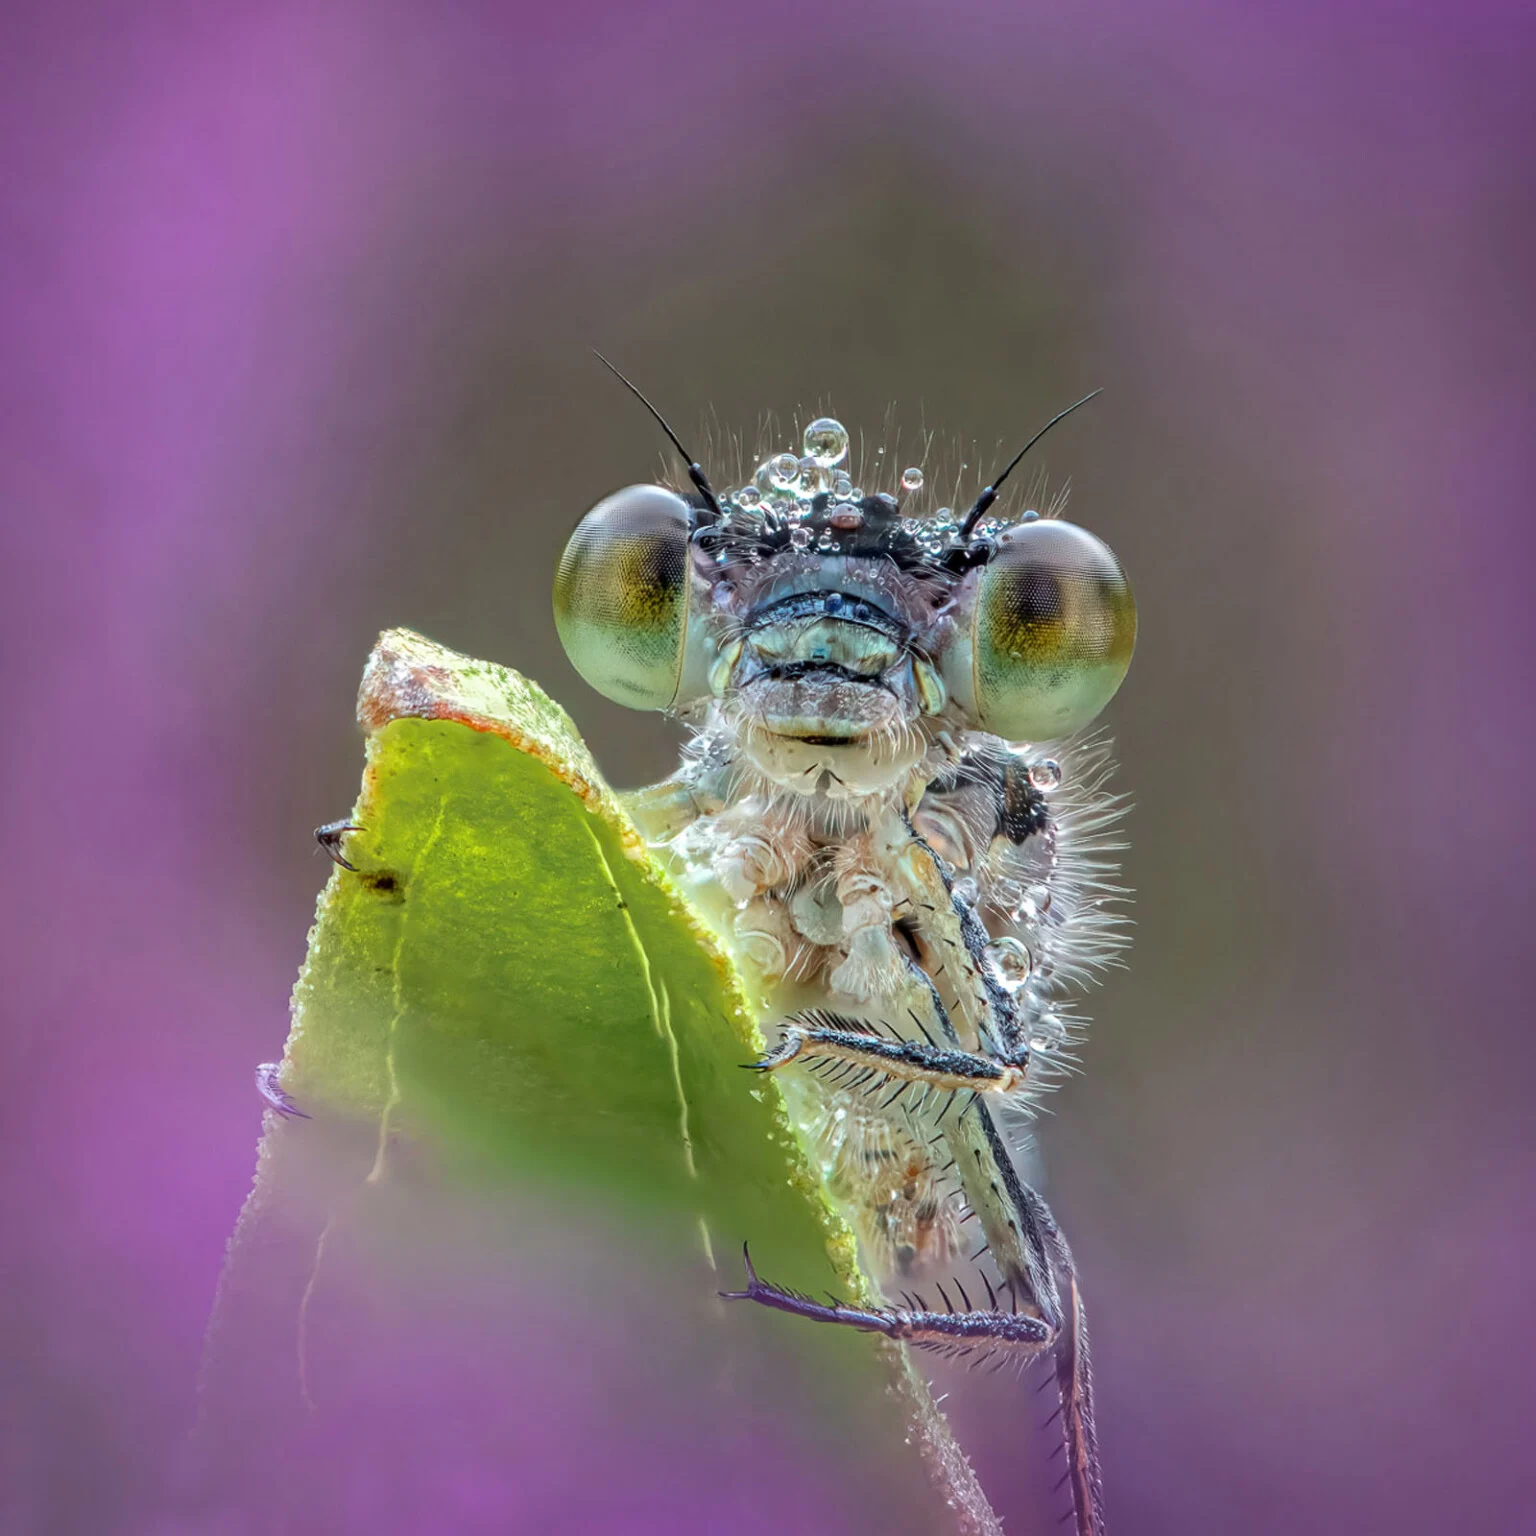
293,329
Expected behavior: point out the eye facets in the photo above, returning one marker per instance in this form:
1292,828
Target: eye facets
621,596
1053,629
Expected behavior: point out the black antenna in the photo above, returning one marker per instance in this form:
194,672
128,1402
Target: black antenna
695,471
989,495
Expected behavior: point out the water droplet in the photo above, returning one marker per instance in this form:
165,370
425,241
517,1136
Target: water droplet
1052,1030
784,472
1008,960
800,536
842,485
1046,774
826,441
965,890
813,477
1036,902
912,479
747,496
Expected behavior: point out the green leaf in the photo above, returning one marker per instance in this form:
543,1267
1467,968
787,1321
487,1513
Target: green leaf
509,998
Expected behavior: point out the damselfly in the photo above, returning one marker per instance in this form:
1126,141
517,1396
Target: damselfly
889,808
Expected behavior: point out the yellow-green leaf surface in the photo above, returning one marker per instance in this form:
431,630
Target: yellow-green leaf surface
509,995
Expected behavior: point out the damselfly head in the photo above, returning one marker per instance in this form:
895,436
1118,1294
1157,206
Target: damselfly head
836,630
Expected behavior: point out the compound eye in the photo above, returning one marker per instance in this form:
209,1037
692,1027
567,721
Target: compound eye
1053,631
621,596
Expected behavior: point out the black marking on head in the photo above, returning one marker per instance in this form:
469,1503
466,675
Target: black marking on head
868,529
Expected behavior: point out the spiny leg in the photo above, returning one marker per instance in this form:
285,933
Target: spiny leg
853,1053
1032,1256
1074,1381
951,1332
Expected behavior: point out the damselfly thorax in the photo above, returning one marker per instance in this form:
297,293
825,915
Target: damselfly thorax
888,809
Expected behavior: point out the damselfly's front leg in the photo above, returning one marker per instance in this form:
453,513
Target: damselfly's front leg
852,1053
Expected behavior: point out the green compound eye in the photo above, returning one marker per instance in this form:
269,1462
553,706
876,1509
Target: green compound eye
621,596
1052,632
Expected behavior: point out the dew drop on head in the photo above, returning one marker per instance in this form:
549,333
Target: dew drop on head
814,477
1046,774
826,441
912,479
784,472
